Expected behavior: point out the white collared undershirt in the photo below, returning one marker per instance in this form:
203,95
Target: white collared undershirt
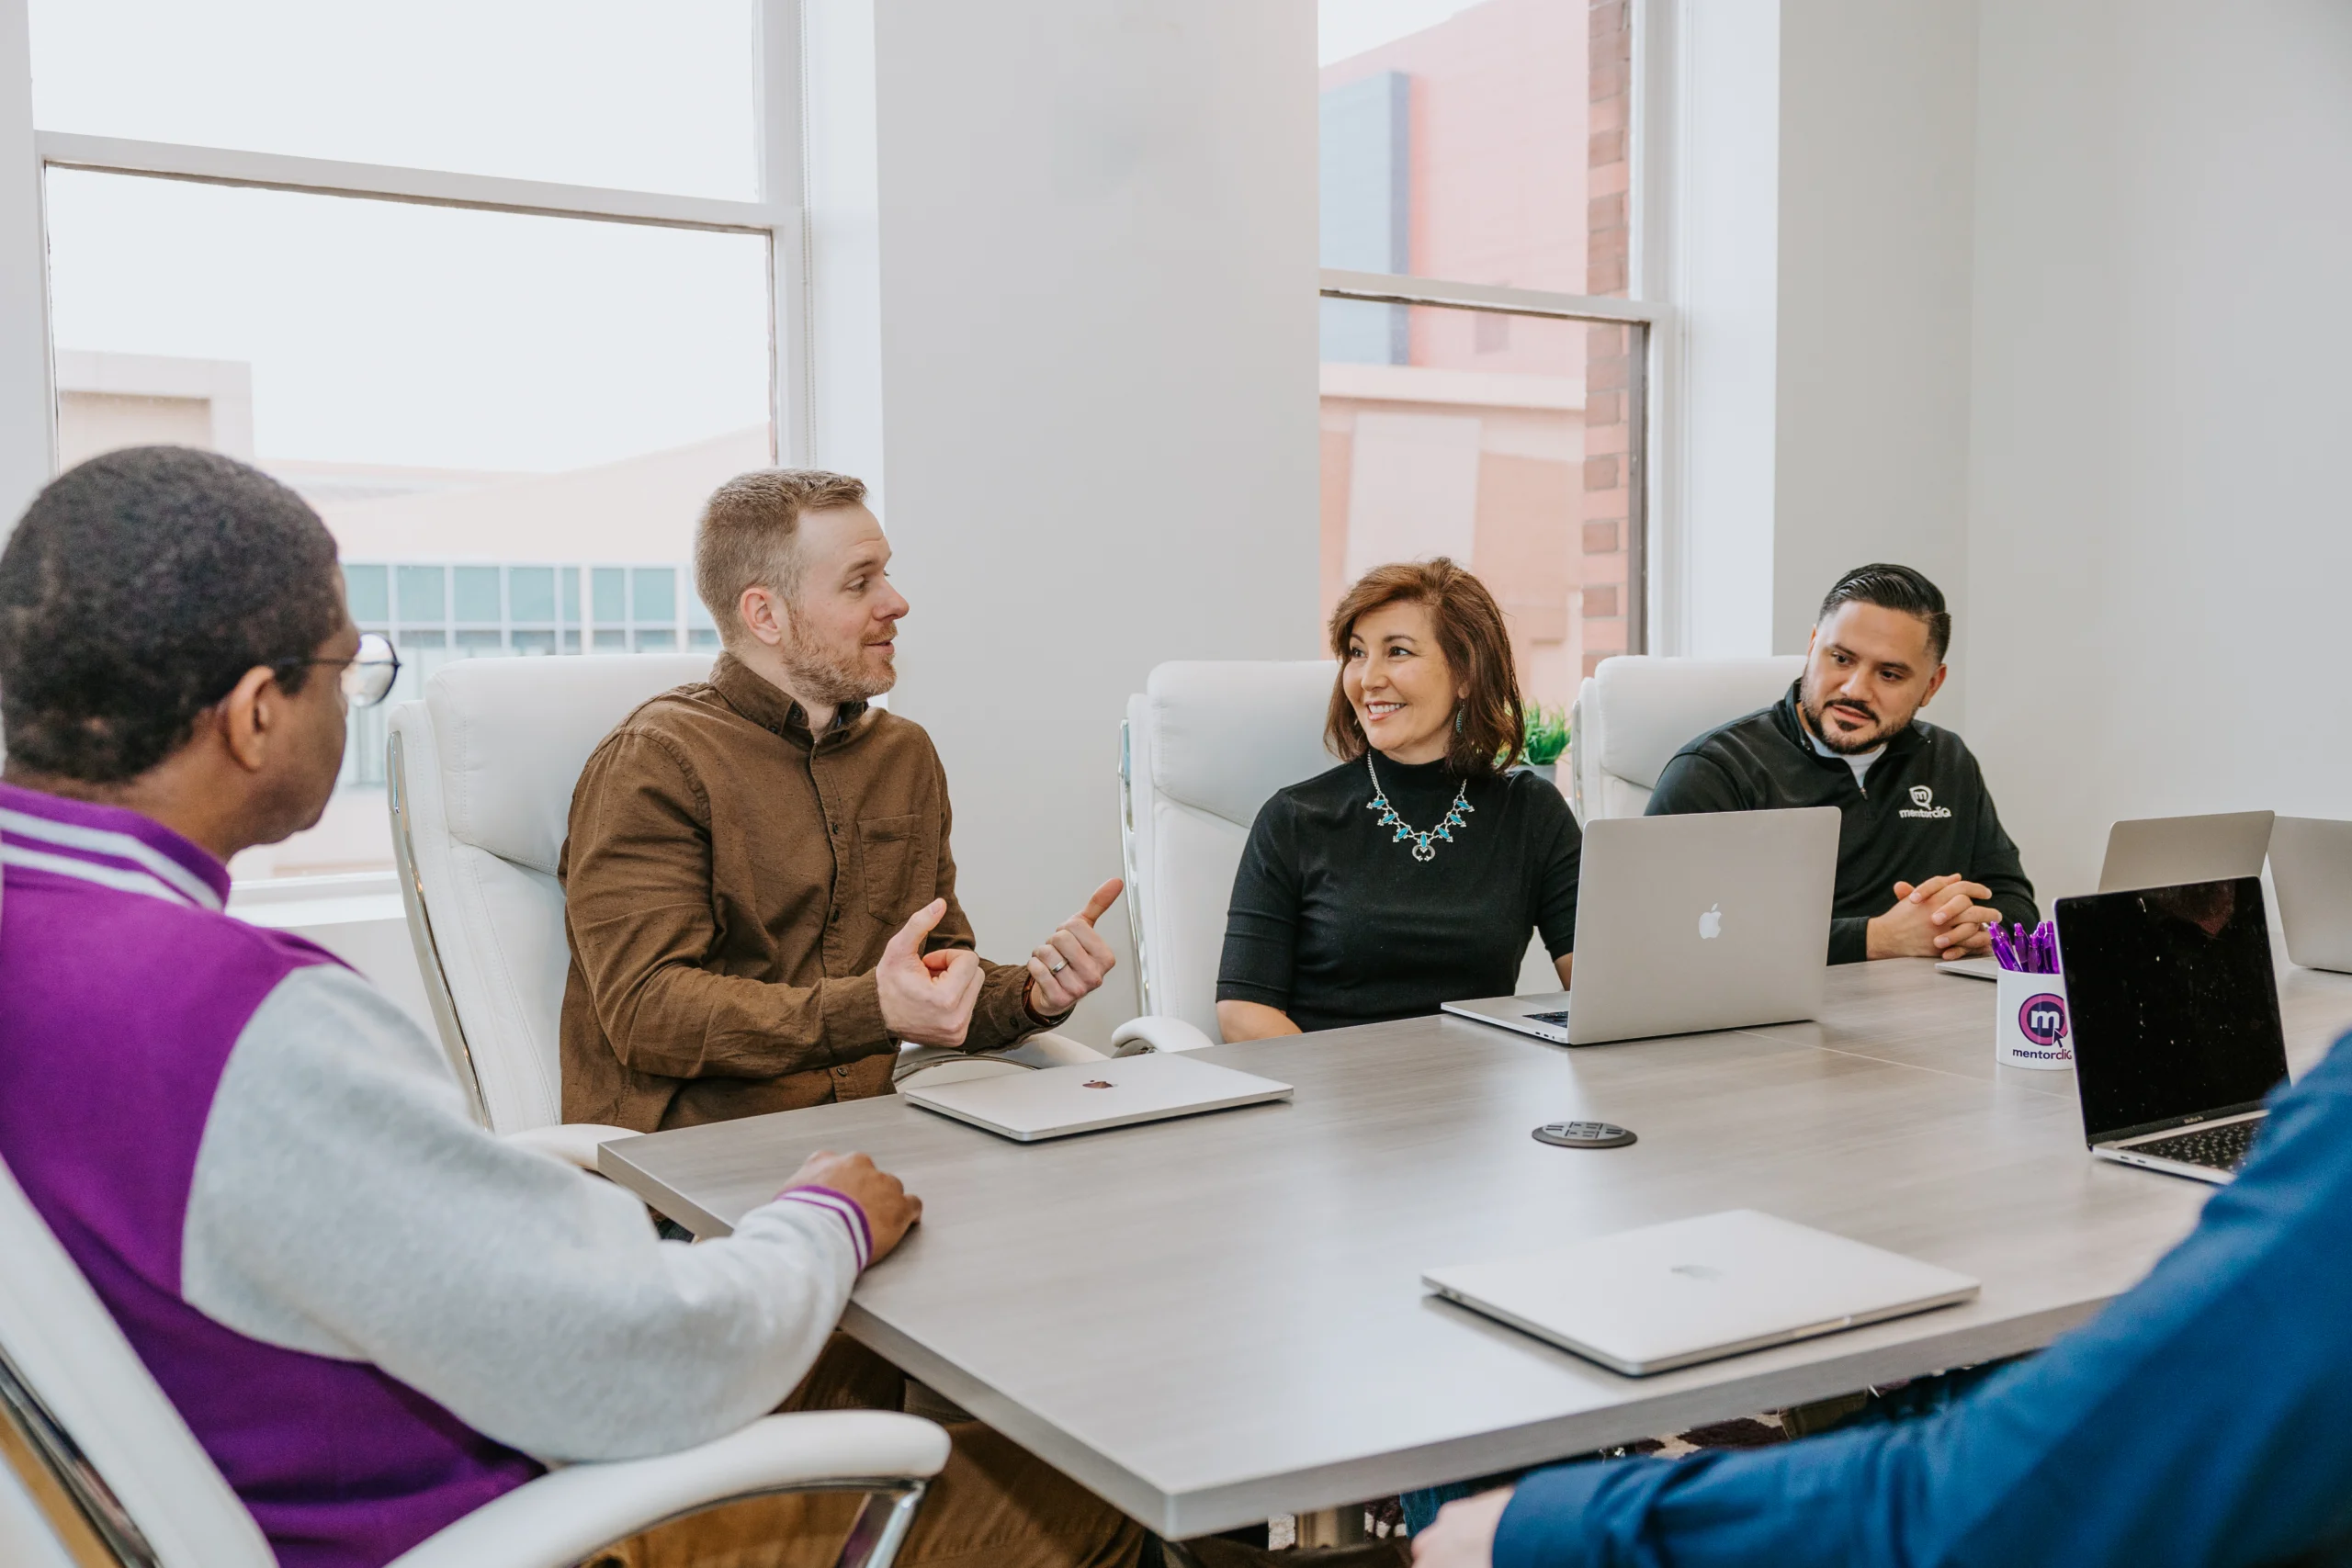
1859,760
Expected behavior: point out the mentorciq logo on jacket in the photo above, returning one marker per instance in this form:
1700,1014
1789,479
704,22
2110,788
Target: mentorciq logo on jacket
1923,800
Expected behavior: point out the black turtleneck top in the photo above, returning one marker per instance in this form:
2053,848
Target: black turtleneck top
1335,923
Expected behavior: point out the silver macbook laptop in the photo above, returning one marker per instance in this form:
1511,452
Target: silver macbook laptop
1053,1103
1690,923
1672,1295
2178,1037
2165,852
1978,968
2310,865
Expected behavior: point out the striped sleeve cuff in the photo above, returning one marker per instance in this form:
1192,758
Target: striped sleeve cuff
841,1207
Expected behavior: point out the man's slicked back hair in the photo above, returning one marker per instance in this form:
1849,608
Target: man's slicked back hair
748,534
1892,587
136,593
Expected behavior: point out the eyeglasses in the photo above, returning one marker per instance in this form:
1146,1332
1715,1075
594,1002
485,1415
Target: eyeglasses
367,676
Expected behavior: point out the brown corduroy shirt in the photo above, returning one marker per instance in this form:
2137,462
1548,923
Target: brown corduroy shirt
729,883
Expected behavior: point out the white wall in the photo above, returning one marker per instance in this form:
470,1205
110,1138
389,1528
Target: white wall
2056,314
1097,258
2159,560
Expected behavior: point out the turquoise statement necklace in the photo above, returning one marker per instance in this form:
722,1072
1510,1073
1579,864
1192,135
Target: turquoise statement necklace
1423,850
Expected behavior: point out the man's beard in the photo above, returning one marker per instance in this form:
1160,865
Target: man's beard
1845,745
822,675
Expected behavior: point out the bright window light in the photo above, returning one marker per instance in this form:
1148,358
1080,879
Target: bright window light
614,93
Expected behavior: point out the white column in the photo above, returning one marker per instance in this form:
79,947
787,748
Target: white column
28,414
1817,166
1877,125
845,242
1715,598
1095,229
781,184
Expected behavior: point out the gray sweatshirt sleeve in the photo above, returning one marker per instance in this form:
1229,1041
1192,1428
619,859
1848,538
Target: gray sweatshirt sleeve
346,1205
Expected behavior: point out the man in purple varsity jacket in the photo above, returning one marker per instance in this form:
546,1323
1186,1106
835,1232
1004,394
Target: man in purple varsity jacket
375,1315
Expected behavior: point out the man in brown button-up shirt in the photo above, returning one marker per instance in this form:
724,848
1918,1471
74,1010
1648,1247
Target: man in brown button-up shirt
750,900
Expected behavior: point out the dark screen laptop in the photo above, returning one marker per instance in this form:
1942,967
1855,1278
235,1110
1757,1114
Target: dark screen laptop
2178,1037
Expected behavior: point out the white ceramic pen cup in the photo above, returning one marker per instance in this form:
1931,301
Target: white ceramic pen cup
2031,1024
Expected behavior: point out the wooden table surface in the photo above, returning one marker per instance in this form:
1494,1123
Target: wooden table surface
1213,1320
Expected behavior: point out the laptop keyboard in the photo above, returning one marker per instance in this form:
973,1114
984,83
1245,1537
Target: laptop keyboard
2217,1148
1556,1019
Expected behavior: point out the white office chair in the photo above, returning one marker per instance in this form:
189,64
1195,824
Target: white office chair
1204,744
115,1476
481,774
1634,712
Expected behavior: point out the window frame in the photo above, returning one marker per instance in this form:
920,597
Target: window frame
778,212
1647,317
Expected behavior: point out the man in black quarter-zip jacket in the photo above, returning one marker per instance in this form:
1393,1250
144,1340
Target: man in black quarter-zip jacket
1923,865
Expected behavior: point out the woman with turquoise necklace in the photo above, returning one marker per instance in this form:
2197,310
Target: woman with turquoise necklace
1412,873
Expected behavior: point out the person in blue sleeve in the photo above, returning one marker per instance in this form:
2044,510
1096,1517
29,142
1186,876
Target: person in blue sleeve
2204,1418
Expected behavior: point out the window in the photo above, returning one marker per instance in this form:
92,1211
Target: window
1483,382
612,93
434,612
321,238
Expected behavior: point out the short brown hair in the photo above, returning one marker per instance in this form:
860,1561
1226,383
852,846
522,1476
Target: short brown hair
745,536
1470,630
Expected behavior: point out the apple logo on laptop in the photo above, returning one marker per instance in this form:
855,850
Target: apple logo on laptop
1696,1272
1710,924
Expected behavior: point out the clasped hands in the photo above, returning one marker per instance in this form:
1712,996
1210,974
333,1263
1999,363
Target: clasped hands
1941,918
927,997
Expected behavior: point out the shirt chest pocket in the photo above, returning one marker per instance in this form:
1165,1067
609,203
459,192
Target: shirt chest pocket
900,863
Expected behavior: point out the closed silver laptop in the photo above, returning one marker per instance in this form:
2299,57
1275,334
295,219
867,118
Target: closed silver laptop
2310,865
1087,1097
1716,921
1672,1295
2167,852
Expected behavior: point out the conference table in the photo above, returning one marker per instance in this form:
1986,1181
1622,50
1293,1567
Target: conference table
1218,1319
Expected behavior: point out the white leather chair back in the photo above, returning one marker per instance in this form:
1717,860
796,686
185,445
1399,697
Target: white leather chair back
1206,743
484,770
26,1539
1636,712
142,1464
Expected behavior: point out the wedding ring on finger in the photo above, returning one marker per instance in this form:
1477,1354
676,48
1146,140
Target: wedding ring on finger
1058,965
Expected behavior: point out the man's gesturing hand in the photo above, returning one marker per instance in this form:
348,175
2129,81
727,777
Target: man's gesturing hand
1939,918
926,997
889,1208
1073,960
1463,1535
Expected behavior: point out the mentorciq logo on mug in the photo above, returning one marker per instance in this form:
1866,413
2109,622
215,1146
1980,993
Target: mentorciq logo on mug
2042,1019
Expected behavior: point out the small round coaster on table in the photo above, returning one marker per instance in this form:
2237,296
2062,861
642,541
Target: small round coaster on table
1583,1135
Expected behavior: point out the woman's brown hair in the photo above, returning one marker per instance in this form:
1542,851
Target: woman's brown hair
1493,729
